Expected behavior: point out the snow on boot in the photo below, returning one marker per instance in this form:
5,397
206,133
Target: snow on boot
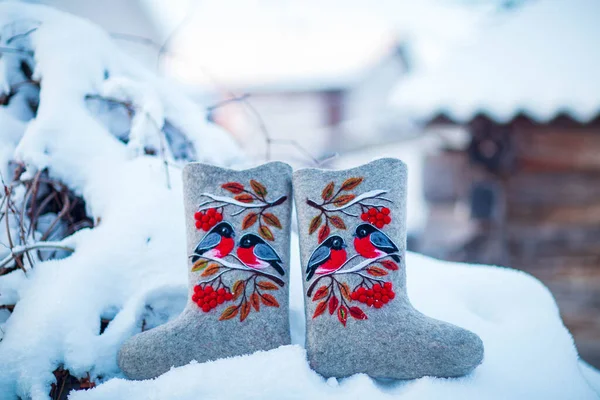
238,231
359,319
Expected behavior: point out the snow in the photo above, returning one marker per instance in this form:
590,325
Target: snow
541,60
132,266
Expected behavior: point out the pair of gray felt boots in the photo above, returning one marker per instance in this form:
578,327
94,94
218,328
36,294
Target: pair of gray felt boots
352,227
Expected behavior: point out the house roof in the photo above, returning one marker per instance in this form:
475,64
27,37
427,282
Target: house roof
542,60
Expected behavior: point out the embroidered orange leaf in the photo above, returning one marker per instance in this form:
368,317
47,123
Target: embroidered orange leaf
345,291
229,313
389,264
343,315
351,183
376,271
255,301
271,219
233,187
199,265
266,233
324,232
337,222
328,191
357,313
258,188
244,198
343,200
333,304
249,220
320,293
265,285
245,310
211,270
238,289
314,224
269,300
321,307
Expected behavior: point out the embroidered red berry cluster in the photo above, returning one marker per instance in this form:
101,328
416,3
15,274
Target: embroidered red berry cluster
377,296
376,216
208,298
206,220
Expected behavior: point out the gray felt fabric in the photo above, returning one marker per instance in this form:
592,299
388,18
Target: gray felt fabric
202,336
396,341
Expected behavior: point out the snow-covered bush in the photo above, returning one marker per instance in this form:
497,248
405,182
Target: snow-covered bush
92,214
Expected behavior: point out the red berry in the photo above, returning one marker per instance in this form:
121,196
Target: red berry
387,219
362,298
385,210
205,218
205,226
388,285
380,216
195,298
197,289
385,299
391,295
221,292
220,299
213,303
228,296
378,304
198,224
379,224
384,292
205,308
197,215
376,288
208,289
212,221
372,220
213,295
364,216
377,296
372,211
219,217
370,292
361,290
210,212
354,296
369,302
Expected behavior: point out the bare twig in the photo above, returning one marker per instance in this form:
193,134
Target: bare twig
19,250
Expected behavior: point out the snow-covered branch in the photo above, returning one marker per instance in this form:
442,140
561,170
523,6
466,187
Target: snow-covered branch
19,250
240,267
372,194
221,201
363,264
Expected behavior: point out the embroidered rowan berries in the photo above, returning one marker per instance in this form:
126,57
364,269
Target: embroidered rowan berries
378,217
206,220
376,296
208,298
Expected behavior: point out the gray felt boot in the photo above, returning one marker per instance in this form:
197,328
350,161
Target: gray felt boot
238,242
358,316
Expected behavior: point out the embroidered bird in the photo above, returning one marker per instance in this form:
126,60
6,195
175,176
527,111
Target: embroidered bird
328,257
217,243
370,242
257,254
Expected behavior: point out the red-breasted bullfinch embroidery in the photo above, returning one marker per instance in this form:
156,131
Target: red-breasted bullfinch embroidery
375,254
217,254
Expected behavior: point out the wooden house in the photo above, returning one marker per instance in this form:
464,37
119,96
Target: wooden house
524,188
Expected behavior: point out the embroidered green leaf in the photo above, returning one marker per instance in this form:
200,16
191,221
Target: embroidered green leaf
320,293
229,313
265,285
343,200
269,300
337,222
351,183
258,188
327,193
245,310
255,301
233,187
343,315
249,220
324,232
266,233
314,224
321,307
211,270
244,198
376,271
238,289
271,219
333,304
199,265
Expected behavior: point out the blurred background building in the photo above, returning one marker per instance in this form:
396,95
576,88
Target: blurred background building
493,104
